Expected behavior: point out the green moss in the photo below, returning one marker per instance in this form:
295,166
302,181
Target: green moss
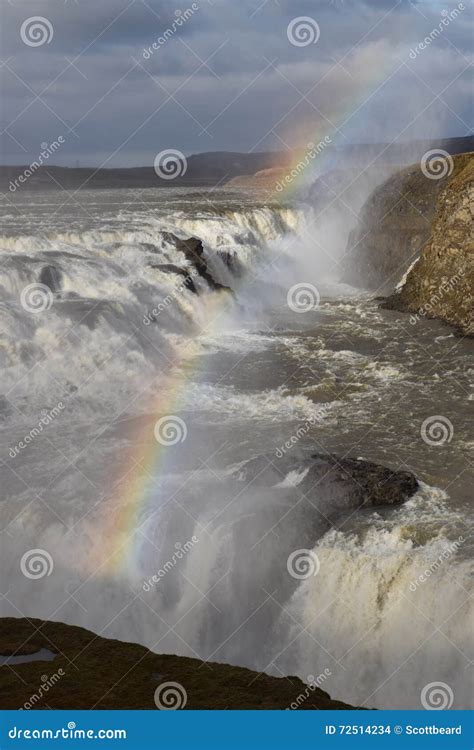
108,674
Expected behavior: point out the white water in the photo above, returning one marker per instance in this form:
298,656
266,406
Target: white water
249,370
380,601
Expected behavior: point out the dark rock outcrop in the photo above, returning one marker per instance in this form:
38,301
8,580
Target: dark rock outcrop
51,277
231,261
441,284
171,268
95,672
394,224
193,250
343,484
369,485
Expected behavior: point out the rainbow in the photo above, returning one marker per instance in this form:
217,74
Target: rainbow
316,155
133,500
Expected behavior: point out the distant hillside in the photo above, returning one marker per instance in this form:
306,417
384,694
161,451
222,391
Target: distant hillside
216,167
264,179
202,169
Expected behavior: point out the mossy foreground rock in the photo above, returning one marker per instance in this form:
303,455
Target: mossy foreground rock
94,672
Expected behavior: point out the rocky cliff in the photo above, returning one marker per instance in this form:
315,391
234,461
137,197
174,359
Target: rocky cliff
395,223
441,283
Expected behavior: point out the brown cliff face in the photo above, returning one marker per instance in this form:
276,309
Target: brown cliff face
441,283
394,225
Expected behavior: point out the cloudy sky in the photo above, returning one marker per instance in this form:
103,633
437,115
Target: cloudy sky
120,80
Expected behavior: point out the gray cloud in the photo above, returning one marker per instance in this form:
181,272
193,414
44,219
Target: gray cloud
228,77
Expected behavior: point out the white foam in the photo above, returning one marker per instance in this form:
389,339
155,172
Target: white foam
274,405
374,607
402,282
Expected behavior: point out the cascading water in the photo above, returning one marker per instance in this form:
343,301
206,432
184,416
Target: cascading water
178,540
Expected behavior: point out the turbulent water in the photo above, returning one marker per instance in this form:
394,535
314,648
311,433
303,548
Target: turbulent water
185,547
